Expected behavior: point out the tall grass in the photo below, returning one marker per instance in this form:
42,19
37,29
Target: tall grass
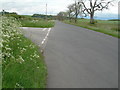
22,64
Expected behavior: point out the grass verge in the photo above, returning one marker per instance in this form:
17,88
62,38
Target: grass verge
28,70
103,26
23,65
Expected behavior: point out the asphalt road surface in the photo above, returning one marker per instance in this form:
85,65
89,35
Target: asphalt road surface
81,58
37,35
77,57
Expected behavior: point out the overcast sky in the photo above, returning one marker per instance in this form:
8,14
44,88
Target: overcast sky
29,7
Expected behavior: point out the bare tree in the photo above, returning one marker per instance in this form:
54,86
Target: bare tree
70,10
76,10
94,5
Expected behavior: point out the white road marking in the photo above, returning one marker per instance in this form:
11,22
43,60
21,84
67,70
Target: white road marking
46,36
44,29
42,42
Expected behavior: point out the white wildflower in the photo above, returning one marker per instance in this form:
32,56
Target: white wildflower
37,67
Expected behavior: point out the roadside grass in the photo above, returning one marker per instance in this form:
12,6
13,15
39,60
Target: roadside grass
23,65
27,69
103,26
37,23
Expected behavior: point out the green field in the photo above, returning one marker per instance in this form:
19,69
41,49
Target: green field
37,23
29,21
23,65
103,26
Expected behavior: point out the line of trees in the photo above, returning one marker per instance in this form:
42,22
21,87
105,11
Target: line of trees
43,16
84,8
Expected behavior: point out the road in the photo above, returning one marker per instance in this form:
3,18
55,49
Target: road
81,58
78,57
38,35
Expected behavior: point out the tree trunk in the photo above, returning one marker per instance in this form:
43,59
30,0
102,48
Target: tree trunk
76,19
92,19
69,18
